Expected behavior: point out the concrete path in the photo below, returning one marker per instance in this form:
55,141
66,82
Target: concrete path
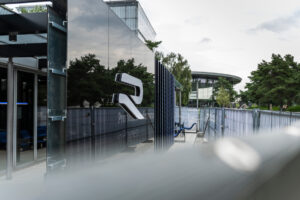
190,139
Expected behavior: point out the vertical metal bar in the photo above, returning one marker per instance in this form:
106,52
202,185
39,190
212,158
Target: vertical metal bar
156,114
197,98
93,140
10,118
223,121
35,113
208,121
15,119
173,107
197,82
254,121
258,119
271,120
166,115
147,124
162,106
180,107
215,119
126,129
160,111
164,132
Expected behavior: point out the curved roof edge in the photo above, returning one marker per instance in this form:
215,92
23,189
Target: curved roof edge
213,75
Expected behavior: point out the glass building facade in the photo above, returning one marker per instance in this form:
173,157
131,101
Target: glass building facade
38,102
132,13
203,84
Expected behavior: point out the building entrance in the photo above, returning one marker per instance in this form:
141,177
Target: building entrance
29,117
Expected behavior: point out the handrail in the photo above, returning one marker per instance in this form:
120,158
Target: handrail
264,166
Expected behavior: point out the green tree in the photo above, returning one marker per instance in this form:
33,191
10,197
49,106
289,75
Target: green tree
91,81
228,86
36,9
276,82
223,97
180,68
88,80
244,97
152,45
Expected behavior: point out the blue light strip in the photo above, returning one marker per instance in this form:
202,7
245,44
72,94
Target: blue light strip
19,103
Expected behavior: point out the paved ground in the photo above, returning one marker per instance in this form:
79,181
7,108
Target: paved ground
190,139
37,172
2,160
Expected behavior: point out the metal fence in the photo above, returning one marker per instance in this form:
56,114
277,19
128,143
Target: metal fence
189,116
86,122
100,132
218,122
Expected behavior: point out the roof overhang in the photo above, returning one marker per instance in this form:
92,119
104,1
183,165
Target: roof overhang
59,5
216,76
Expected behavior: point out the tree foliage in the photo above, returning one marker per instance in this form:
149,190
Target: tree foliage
244,96
223,97
226,85
276,82
89,80
180,68
36,9
152,45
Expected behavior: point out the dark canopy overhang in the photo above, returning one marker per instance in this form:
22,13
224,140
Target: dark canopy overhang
31,23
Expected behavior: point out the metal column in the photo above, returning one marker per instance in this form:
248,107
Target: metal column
10,118
197,99
35,113
180,107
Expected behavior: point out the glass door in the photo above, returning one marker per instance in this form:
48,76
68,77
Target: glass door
3,117
42,117
25,117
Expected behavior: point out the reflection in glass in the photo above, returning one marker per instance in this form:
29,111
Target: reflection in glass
95,29
3,116
100,45
25,99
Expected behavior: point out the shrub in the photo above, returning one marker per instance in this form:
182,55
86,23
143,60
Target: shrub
294,108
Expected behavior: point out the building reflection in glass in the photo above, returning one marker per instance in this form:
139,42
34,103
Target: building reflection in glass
103,130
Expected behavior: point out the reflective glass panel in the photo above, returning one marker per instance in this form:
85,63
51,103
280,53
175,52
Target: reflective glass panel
25,118
3,117
131,12
42,117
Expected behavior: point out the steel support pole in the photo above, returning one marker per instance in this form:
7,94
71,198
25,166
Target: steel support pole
197,99
35,113
15,149
147,124
10,118
93,136
126,129
223,122
180,107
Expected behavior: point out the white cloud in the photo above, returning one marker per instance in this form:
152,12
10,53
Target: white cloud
182,25
280,25
205,40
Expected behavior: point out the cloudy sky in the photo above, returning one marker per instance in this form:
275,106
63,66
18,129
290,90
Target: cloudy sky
226,36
